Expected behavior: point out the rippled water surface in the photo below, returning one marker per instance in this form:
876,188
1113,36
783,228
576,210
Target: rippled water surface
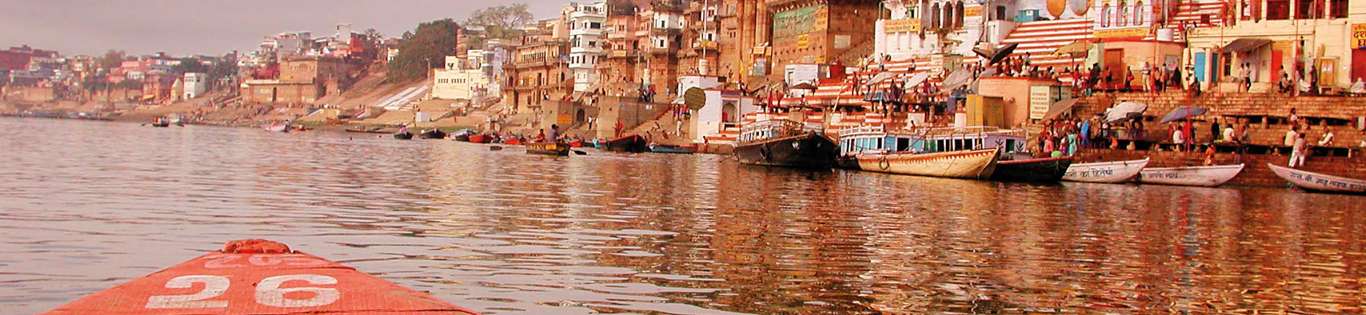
88,205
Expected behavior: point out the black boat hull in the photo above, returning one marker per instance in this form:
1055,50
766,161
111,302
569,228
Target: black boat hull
556,149
1044,170
810,151
630,144
403,136
433,134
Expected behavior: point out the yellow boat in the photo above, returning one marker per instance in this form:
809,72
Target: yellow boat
552,148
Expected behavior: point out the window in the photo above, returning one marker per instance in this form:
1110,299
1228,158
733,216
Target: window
1277,9
1138,13
1339,9
595,25
1123,14
1105,15
1307,9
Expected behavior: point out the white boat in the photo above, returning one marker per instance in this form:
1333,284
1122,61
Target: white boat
281,127
1105,172
1207,176
1319,182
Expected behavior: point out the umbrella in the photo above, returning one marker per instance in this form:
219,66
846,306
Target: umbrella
957,78
881,76
1184,112
917,80
1060,107
995,55
1079,47
1124,110
804,86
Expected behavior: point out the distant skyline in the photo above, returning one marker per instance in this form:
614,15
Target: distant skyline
214,27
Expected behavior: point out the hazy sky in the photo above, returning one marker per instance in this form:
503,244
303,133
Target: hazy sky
214,26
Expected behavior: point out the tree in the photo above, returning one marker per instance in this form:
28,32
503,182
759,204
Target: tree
420,49
189,64
112,59
499,22
373,35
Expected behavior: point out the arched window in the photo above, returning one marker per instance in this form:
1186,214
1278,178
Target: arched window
947,17
1105,15
1138,13
934,16
1123,14
959,22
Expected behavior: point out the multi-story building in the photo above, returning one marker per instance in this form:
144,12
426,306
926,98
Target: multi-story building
586,40
822,31
538,70
701,50
618,72
743,39
194,85
1276,38
459,80
665,38
301,80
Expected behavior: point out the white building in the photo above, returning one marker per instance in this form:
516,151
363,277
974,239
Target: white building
458,82
195,84
914,26
586,40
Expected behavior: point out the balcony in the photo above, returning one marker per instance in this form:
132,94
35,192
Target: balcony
586,50
586,32
536,63
705,45
657,50
580,14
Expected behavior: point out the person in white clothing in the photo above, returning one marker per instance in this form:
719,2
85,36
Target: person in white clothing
1327,138
1228,134
1298,152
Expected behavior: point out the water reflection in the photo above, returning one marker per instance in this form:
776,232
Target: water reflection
88,205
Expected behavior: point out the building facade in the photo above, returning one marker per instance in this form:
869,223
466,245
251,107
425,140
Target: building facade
586,23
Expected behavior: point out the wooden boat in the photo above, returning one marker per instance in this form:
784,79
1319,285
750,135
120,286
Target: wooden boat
512,141
479,138
432,134
1206,176
258,277
1105,172
630,143
461,137
784,143
577,143
161,123
859,145
1038,170
1317,181
552,148
669,148
967,164
403,135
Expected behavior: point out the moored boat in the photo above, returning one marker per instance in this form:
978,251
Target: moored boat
783,143
432,134
1317,181
1105,172
1032,170
258,277
403,135
1206,176
279,127
630,143
576,143
479,138
669,148
966,164
550,148
956,152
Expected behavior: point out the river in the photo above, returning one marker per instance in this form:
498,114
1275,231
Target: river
89,205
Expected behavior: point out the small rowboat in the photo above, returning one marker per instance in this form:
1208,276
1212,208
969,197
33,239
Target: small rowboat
403,135
1206,176
432,134
1318,182
512,141
1105,172
276,128
966,164
576,143
668,148
557,149
258,277
1041,170
479,138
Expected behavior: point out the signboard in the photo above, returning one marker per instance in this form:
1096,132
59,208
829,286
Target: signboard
975,10
803,41
1130,32
1358,35
1040,97
901,26
805,20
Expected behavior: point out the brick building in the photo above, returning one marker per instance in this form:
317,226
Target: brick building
624,35
302,80
743,39
821,31
538,70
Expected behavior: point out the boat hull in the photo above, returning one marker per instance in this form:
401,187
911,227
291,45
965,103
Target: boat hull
630,144
1204,176
672,149
975,164
478,139
1319,182
403,136
847,162
433,134
1043,170
557,149
258,277
809,150
1105,172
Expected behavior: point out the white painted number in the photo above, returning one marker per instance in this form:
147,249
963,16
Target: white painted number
268,292
213,286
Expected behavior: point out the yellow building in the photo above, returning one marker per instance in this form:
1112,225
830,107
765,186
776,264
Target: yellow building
1273,38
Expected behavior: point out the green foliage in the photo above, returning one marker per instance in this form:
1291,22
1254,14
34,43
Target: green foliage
188,65
112,59
422,49
499,22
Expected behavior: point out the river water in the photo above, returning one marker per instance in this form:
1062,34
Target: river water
89,205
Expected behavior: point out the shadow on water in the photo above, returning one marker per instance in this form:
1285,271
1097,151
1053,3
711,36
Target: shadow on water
89,205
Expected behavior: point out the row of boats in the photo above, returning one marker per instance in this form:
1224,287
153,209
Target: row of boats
626,144
982,153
